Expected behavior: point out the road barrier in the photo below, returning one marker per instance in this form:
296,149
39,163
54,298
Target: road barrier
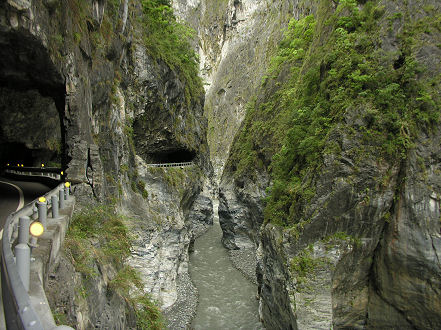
24,302
171,164
47,172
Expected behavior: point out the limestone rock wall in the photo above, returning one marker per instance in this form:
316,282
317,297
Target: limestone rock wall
119,109
161,246
365,252
235,40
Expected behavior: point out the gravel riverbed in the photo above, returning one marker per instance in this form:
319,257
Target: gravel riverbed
182,312
245,261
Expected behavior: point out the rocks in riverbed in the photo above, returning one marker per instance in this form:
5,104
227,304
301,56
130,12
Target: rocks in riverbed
244,260
179,315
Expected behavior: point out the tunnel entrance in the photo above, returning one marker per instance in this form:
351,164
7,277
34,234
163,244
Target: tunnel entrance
32,98
172,156
30,131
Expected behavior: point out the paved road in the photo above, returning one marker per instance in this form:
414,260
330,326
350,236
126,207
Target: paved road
13,196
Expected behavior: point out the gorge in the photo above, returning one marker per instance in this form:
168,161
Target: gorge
314,123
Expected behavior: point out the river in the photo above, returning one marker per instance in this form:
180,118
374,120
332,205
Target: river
226,299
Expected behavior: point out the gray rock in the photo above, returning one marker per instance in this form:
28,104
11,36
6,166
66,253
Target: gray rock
201,215
245,261
113,102
87,303
179,315
384,272
234,40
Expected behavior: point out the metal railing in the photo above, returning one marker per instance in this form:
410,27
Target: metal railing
20,312
171,164
50,172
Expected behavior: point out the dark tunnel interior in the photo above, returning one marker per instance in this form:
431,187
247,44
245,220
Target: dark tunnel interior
172,156
32,100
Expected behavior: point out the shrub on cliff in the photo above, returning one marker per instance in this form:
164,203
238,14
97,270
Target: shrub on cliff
331,66
99,236
169,40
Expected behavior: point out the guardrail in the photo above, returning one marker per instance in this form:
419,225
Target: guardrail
51,172
171,164
20,306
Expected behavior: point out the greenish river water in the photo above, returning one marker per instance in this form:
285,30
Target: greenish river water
226,299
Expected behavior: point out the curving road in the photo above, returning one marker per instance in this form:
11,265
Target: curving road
13,196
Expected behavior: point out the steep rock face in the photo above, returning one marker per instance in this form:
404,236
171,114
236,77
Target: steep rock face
240,207
160,251
362,251
87,304
406,270
343,205
119,108
164,130
240,211
235,42
236,39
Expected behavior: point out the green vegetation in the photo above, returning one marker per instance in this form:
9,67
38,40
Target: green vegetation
136,183
98,235
339,237
140,185
169,41
60,318
113,7
305,264
54,144
179,179
128,131
329,72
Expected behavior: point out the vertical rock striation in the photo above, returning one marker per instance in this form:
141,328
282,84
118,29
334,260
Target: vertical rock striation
355,243
235,41
120,106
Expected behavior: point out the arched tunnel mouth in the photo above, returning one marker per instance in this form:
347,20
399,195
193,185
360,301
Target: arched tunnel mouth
179,155
32,101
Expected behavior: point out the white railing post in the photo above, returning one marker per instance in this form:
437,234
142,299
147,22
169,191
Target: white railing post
61,198
42,211
23,229
23,252
55,212
66,190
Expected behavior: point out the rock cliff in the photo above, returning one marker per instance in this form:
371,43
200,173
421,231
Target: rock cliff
334,171
235,40
120,102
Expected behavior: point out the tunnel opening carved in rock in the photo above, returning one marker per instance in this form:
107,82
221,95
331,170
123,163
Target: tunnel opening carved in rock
172,156
32,98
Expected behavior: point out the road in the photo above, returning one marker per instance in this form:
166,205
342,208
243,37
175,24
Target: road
13,196
10,196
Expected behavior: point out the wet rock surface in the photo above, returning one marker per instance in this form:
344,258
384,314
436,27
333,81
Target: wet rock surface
201,215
